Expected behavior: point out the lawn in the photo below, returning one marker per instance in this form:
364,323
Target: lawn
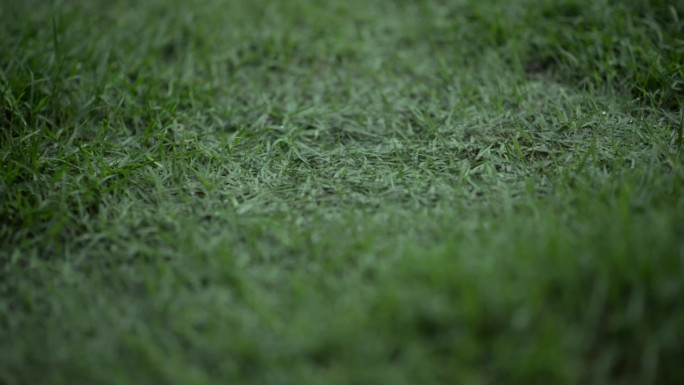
341,192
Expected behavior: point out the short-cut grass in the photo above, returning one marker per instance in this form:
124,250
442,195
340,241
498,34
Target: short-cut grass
341,192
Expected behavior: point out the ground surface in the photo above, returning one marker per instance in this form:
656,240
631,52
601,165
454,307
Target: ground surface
341,192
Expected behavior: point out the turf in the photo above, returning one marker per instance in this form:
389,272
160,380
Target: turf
341,192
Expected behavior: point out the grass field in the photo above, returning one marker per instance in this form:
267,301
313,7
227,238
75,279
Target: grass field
341,192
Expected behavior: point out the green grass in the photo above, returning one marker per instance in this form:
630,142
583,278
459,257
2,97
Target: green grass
341,192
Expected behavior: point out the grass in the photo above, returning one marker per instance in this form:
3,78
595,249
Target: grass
354,192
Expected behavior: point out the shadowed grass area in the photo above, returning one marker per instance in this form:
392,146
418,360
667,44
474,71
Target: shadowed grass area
343,192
